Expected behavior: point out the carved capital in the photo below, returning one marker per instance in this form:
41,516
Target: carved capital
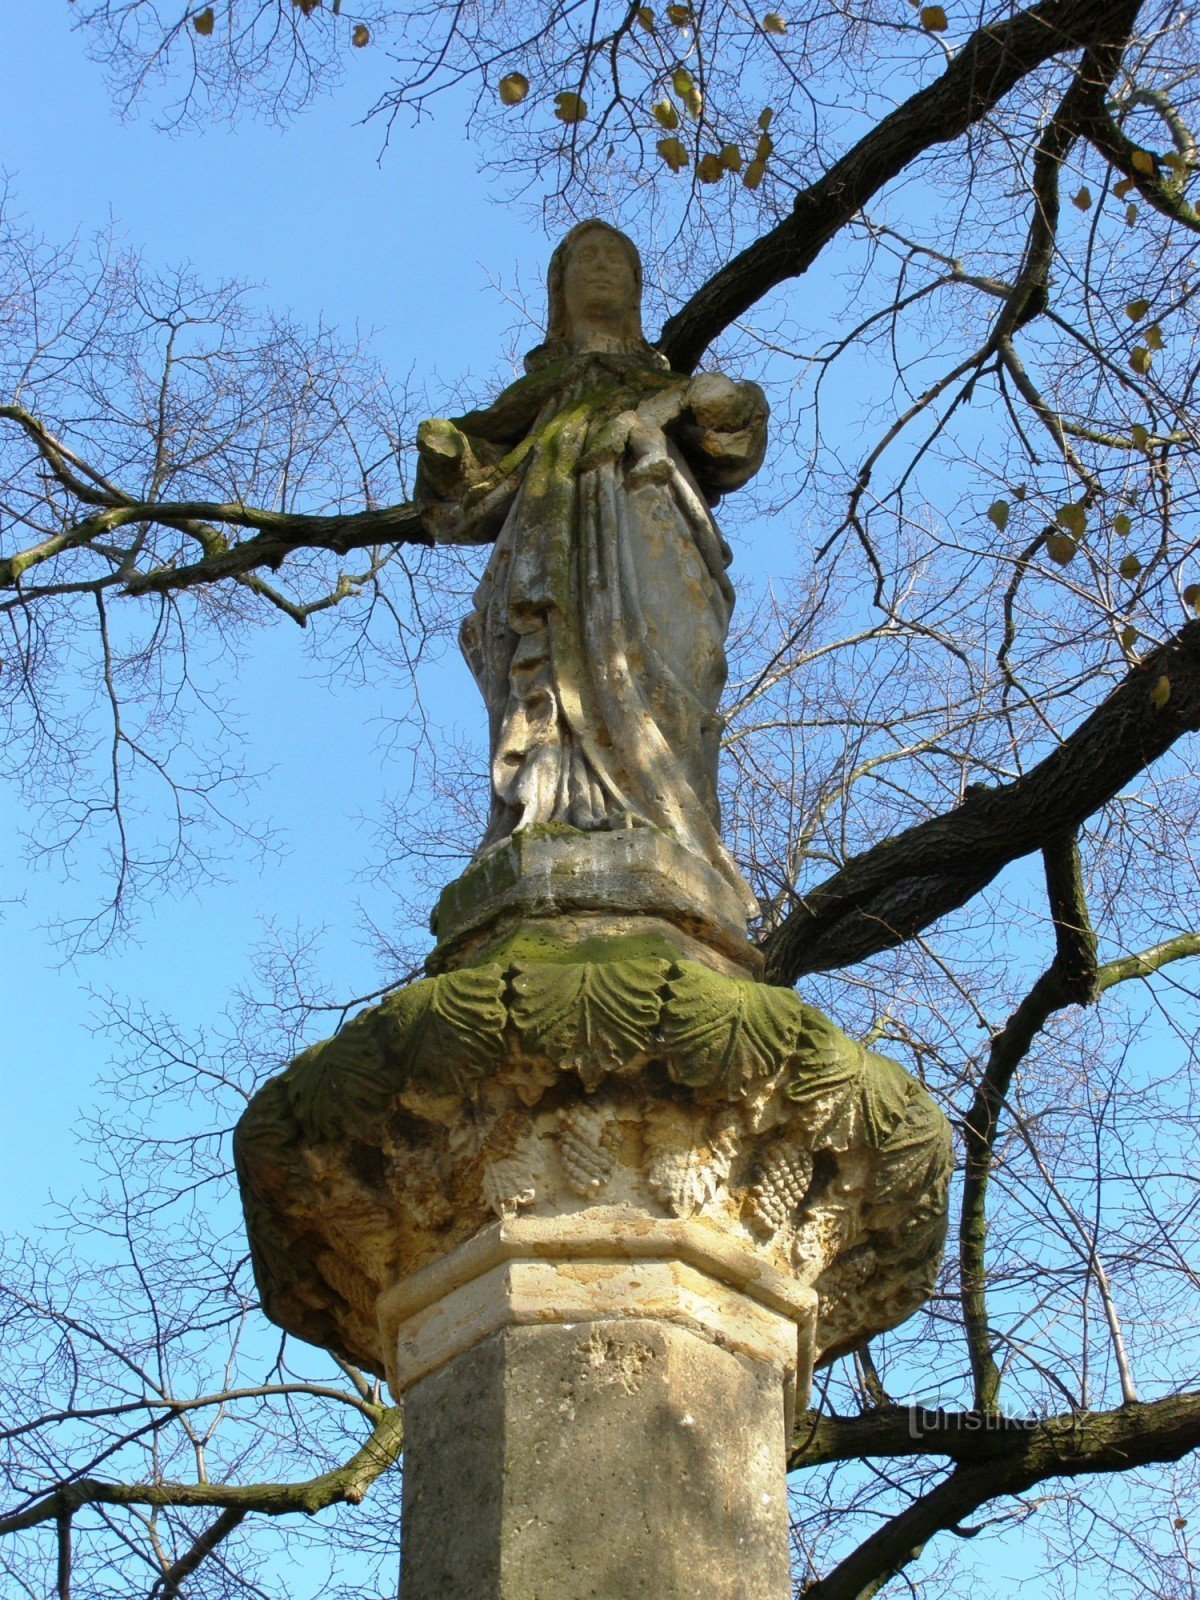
632,1090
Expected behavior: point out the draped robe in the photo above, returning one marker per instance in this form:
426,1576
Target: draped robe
598,630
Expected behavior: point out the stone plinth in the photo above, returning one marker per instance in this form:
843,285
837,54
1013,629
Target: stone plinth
597,1407
599,1460
555,871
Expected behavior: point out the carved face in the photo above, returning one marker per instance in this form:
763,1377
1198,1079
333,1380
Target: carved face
599,286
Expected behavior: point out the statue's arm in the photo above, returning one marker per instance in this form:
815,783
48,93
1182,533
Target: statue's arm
468,467
722,430
459,493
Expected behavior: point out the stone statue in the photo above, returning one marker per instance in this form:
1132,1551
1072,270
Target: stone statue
598,633
592,1196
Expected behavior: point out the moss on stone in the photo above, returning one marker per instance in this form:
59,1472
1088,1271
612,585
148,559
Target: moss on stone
537,942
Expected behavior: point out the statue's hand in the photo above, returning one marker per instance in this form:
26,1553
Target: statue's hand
650,462
462,500
445,457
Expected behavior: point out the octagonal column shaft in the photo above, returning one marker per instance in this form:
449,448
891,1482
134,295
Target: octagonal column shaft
597,1407
598,1460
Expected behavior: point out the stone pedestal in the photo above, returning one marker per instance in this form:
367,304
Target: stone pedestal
597,1460
634,874
596,1203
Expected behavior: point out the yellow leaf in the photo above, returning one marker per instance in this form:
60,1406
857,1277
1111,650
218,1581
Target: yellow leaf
665,114
1153,336
674,153
1083,200
1122,524
1130,566
203,22
753,174
933,19
679,15
1128,636
1072,517
1161,692
764,117
1140,436
684,86
1122,188
774,23
1143,162
1191,596
306,6
731,157
1020,492
764,147
569,107
1061,548
1131,214
360,35
1139,359
646,17
1137,309
998,513
1175,161
709,168
513,87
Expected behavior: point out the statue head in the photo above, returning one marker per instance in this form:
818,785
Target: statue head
594,289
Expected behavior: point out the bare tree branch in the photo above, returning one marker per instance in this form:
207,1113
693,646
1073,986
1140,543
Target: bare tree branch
347,1484
1006,1460
894,890
988,66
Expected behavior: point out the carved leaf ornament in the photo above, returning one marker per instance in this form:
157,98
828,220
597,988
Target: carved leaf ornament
591,1017
717,1036
402,1076
718,1033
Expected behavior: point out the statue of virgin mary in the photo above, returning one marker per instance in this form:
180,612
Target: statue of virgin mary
598,631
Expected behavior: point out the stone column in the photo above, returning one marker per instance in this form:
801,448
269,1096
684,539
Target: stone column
614,1458
616,1392
596,1202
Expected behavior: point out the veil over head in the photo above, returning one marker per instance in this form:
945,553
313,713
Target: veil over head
557,344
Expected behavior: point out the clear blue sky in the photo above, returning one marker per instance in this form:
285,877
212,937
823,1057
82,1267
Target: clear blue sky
327,230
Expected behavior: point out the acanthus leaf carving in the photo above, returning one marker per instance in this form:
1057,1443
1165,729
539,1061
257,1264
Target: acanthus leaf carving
459,1031
913,1161
593,1017
334,1085
725,1034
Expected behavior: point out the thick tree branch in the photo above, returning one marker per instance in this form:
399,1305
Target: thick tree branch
894,890
1149,961
989,64
994,1456
1073,978
1157,184
277,535
1070,979
348,1484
